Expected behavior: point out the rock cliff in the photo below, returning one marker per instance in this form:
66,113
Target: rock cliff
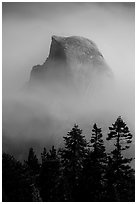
74,62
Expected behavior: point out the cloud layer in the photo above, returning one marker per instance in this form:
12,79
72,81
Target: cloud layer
27,31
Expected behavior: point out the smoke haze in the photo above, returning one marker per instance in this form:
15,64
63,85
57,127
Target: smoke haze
42,117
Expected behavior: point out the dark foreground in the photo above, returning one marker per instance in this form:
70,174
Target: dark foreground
81,171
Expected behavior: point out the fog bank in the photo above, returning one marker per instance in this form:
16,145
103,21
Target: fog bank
43,117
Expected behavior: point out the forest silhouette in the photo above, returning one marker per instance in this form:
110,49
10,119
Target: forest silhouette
81,171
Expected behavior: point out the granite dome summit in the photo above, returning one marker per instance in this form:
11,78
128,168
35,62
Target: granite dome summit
74,61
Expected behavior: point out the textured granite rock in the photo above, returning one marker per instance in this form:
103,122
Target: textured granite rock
74,61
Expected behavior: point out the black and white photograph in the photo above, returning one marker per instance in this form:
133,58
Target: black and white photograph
68,101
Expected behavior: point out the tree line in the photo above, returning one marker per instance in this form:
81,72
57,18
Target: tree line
81,171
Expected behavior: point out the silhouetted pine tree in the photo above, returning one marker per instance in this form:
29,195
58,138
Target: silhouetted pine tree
94,168
72,157
44,155
49,175
32,162
52,154
80,172
120,174
15,182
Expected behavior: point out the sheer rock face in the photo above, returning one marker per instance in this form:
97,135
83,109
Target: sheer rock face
73,62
